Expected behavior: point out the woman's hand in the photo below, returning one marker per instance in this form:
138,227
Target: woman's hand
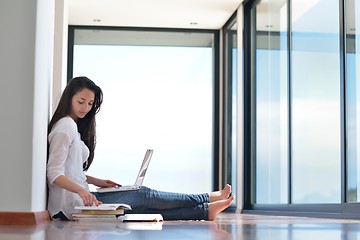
107,183
101,182
88,198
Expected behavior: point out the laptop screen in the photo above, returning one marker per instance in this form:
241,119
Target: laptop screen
144,167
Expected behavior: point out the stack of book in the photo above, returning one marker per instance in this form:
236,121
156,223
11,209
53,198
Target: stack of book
103,211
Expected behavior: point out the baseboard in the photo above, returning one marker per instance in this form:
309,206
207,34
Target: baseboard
24,218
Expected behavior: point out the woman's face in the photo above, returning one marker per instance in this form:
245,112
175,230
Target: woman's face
81,103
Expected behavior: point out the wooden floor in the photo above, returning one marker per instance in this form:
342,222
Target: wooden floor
226,226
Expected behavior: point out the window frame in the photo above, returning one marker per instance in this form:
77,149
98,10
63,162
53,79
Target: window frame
216,80
228,159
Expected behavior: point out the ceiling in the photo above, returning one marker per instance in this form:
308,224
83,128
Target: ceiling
192,14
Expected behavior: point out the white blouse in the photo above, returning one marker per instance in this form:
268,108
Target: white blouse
67,153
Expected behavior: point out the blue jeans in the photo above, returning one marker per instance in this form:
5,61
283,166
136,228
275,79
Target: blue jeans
172,206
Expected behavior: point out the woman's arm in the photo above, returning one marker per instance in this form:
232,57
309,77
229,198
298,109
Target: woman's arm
101,182
88,198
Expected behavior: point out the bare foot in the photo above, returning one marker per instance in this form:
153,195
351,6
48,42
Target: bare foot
220,195
217,207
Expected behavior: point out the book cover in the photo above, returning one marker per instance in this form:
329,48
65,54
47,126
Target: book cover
141,218
93,216
119,211
105,206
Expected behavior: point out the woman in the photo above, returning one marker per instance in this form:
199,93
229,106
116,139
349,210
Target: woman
71,148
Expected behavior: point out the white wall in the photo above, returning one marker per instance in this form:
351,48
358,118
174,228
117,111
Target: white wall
60,51
25,74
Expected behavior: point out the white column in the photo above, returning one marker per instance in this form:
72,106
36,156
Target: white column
26,53
60,52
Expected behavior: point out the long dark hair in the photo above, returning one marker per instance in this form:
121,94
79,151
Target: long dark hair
87,125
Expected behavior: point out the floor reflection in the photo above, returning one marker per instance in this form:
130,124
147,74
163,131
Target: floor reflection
117,230
226,226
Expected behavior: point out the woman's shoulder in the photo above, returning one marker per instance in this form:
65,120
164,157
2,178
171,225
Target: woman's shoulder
65,124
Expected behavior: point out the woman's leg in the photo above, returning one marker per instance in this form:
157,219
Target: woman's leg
152,199
217,207
199,212
173,206
221,195
205,211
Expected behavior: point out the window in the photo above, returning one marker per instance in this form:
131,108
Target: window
271,103
298,121
315,92
158,93
301,107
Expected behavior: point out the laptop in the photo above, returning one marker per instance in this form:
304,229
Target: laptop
139,179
